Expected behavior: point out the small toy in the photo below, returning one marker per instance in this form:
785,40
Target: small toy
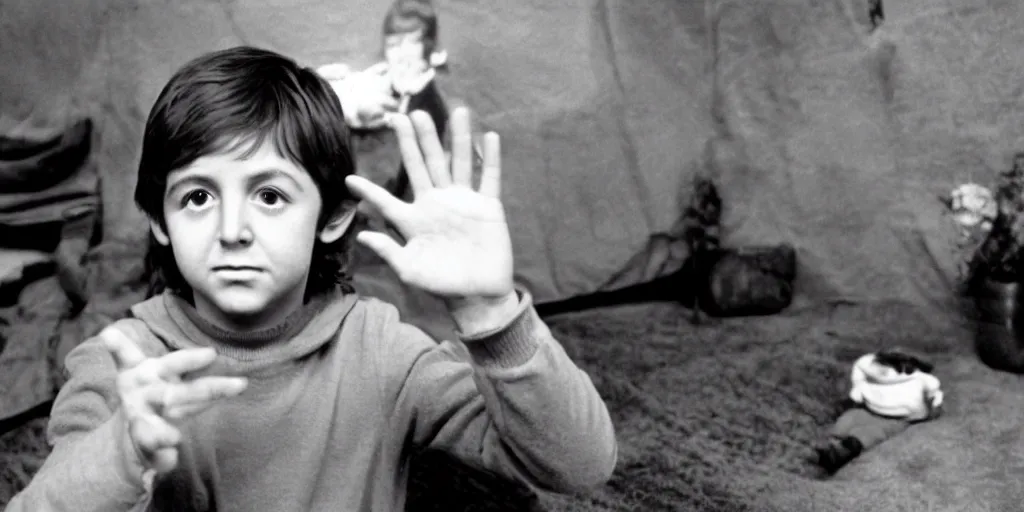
891,390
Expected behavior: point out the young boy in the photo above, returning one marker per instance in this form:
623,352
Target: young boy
258,380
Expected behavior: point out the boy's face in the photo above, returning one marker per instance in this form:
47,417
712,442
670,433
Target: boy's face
242,232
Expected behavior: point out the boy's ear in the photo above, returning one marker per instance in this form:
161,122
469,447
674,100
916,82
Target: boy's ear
337,226
159,233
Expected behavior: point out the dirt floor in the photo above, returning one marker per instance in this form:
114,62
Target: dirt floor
722,417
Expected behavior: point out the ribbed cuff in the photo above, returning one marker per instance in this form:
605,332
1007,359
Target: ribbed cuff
508,346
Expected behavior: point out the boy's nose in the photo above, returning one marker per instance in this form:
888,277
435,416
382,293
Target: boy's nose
234,226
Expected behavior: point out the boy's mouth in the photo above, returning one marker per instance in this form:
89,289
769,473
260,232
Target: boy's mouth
236,270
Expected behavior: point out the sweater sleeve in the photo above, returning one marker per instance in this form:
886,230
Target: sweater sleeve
517,405
92,465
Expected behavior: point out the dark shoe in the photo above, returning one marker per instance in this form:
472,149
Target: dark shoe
838,453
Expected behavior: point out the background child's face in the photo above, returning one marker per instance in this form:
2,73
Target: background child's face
242,232
405,49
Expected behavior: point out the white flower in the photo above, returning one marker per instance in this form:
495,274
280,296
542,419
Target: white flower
973,205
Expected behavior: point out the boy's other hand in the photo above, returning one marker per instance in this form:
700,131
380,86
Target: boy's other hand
457,240
155,391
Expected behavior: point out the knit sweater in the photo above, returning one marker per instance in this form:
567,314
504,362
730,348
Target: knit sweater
911,396
339,397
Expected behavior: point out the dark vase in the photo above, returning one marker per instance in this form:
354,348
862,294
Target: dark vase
999,325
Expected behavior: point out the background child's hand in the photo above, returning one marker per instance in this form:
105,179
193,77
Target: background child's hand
365,95
457,240
154,391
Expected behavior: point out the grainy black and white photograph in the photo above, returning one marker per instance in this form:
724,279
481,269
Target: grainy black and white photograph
541,256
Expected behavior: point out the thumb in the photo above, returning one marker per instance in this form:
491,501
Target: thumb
125,352
385,247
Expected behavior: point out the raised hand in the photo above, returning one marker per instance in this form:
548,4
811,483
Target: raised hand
155,393
457,240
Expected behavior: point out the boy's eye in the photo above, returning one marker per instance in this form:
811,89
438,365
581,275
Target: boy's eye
270,197
196,198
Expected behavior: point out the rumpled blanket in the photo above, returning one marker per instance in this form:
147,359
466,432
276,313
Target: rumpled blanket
49,209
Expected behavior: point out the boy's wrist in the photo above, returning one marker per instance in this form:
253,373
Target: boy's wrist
476,315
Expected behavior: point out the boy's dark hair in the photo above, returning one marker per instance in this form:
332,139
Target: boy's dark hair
902,362
406,16
245,95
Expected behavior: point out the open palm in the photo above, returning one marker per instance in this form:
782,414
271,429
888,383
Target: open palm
457,240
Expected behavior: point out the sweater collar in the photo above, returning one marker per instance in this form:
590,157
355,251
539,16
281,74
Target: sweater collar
307,329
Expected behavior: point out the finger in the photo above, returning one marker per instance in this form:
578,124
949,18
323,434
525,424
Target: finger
150,399
151,432
392,208
385,247
126,353
490,177
200,393
183,361
433,153
412,158
165,460
157,441
146,373
462,147
178,412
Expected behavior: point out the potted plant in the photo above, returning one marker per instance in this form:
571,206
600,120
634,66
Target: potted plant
992,267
